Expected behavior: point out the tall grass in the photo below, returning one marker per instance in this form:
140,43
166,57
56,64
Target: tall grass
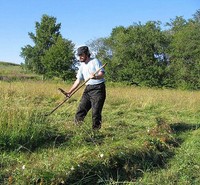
146,136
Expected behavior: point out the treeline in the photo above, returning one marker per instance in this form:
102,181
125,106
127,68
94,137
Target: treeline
140,54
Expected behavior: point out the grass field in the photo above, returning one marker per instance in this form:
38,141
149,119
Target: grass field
12,72
148,136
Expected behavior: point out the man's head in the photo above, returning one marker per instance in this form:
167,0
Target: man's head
83,49
84,53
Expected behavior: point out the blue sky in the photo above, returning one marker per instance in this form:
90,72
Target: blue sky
81,20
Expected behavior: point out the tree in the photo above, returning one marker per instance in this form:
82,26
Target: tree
196,16
58,59
100,48
176,24
185,55
47,37
138,54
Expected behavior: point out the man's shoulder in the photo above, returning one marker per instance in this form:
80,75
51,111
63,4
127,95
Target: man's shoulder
95,61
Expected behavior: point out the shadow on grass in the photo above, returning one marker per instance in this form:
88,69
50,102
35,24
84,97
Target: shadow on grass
29,144
184,127
119,168
129,166
122,164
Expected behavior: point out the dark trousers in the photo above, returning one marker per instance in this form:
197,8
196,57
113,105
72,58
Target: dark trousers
93,97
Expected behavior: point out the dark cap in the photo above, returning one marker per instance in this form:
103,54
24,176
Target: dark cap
83,49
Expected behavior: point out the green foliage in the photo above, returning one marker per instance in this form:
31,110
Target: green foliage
185,56
138,54
101,48
56,60
176,24
146,55
41,58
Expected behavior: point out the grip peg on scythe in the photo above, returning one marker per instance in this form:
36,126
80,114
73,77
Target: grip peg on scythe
62,91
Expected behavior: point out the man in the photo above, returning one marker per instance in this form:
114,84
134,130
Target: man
94,94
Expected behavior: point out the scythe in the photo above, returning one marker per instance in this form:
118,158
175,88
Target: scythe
67,98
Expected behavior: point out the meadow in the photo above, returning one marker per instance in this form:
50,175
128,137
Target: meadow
148,136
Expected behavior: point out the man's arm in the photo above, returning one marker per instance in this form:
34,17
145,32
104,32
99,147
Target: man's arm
74,86
99,75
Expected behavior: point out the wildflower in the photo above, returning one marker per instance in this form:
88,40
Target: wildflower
62,182
23,167
72,168
101,155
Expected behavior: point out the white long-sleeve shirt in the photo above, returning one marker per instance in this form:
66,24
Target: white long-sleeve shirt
86,69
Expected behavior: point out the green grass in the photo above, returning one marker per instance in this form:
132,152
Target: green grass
13,72
148,136
132,147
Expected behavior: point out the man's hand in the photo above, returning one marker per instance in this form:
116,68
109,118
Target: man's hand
65,93
99,75
92,76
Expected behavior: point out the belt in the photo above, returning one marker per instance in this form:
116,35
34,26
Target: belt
96,84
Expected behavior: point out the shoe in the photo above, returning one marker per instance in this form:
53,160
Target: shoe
96,127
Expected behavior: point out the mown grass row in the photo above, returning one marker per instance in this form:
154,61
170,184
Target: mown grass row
144,138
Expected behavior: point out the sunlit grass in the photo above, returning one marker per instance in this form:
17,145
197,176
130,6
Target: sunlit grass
15,72
40,149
